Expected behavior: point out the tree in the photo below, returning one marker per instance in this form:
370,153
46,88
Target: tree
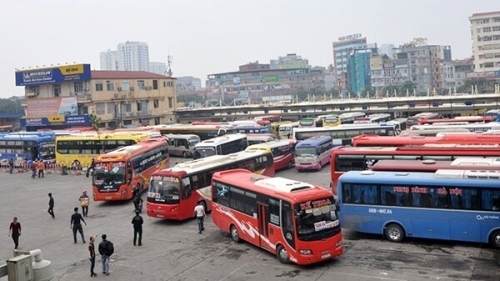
389,90
483,86
407,87
367,92
334,93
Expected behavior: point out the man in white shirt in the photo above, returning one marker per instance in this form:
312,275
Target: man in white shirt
199,213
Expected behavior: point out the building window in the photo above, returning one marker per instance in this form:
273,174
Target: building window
111,108
156,104
125,85
140,84
56,89
170,102
110,86
487,29
78,87
155,84
127,122
139,106
100,108
128,107
157,120
98,86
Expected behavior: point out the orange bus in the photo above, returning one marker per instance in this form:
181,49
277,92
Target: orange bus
371,140
116,173
344,159
431,166
173,193
296,221
283,152
459,119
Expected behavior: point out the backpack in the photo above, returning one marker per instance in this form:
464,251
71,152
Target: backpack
109,249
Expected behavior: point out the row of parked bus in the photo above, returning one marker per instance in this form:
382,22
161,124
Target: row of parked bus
444,186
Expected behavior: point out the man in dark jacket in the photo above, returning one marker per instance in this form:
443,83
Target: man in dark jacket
76,224
103,248
137,221
51,206
137,193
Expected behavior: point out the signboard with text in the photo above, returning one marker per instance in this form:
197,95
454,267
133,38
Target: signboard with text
350,37
60,74
73,120
37,108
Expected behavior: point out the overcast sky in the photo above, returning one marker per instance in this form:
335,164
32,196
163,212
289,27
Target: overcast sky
205,36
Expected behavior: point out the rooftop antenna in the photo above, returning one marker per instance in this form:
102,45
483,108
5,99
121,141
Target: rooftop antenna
169,65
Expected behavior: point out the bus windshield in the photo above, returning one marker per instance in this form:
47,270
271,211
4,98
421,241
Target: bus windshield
203,151
306,151
315,223
115,176
193,142
165,190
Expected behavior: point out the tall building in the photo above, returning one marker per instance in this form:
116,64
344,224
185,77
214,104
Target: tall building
485,32
158,67
133,55
188,83
455,72
359,75
387,49
109,60
342,49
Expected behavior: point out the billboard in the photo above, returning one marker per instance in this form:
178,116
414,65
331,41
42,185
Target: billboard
271,78
60,74
75,120
37,108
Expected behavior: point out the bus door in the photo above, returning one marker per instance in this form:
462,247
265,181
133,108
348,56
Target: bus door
263,220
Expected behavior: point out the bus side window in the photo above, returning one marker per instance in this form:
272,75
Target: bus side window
186,188
176,143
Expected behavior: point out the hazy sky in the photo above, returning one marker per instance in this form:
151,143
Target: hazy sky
206,36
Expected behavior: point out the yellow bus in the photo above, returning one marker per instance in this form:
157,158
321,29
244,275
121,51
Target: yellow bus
79,149
275,127
332,120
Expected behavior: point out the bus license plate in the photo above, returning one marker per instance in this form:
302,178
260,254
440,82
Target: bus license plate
108,197
325,256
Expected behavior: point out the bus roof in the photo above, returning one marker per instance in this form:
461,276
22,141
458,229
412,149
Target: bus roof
468,126
221,140
212,162
16,137
121,154
188,127
104,136
271,186
422,140
442,177
314,141
271,144
461,163
182,136
470,150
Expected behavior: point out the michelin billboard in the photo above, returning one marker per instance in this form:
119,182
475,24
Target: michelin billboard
60,74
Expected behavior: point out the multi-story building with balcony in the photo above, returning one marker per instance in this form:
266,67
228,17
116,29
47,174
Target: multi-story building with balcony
455,73
387,72
63,96
342,49
485,33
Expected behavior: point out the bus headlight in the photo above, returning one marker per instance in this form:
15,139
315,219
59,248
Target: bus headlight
338,244
305,252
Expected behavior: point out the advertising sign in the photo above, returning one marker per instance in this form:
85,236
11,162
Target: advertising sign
60,74
75,120
271,78
236,81
37,108
350,37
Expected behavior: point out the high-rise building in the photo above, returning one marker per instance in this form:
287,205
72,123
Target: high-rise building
109,60
133,55
342,49
158,67
485,32
359,75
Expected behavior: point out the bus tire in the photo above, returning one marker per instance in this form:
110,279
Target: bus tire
282,255
185,154
290,165
495,239
394,232
233,231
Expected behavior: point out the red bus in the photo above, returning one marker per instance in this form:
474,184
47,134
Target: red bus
431,166
296,221
283,152
459,119
116,173
173,193
370,140
345,159
270,118
417,118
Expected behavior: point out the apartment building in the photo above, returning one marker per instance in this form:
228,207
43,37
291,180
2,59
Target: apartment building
62,96
485,33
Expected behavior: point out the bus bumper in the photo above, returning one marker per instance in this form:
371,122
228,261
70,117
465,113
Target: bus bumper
163,212
304,167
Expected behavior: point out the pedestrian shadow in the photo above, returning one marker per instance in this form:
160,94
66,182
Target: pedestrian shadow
173,223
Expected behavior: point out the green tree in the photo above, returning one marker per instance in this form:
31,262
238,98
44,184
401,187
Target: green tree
367,92
407,87
483,86
10,104
390,90
334,93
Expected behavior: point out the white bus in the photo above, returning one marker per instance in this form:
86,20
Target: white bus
260,138
373,118
222,145
343,134
285,130
400,123
472,127
349,117
181,145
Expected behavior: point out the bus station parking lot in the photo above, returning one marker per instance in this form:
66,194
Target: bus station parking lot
175,250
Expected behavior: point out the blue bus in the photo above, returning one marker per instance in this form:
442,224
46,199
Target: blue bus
313,153
253,129
28,146
458,205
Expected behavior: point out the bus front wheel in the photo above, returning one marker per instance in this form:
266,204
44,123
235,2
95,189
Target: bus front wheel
394,232
234,234
495,239
185,154
282,254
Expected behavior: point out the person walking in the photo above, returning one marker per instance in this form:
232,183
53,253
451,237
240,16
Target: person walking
90,169
15,231
11,165
137,221
76,224
51,206
33,169
137,193
106,249
199,213
84,203
92,255
41,169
